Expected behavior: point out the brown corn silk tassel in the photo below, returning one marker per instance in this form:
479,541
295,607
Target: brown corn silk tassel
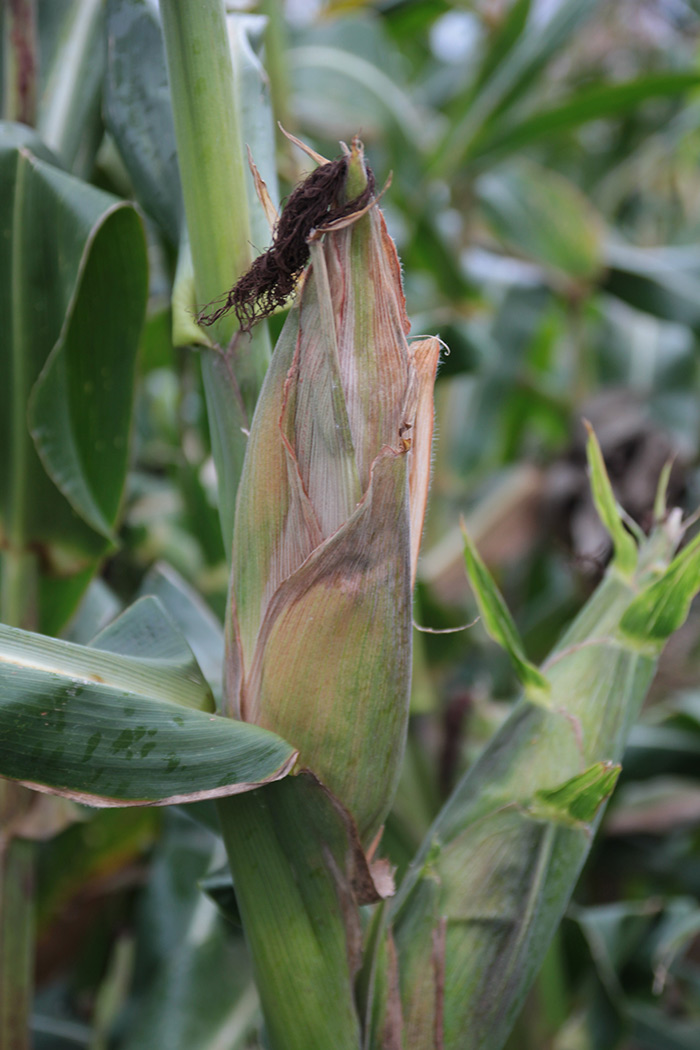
272,278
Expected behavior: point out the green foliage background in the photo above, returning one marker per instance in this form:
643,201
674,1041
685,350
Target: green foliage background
545,203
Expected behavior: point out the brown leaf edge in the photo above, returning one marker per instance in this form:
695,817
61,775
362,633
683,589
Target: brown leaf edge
371,880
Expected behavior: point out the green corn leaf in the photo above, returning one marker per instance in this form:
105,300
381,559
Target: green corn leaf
146,631
69,120
137,109
517,72
193,616
500,625
503,40
186,954
73,284
124,728
662,282
578,800
663,606
594,103
544,217
625,549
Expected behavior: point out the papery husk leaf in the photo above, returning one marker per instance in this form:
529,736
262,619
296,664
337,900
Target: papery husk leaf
425,355
315,418
371,322
332,665
319,621
276,528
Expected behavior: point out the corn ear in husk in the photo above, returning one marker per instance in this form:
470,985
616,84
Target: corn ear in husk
329,516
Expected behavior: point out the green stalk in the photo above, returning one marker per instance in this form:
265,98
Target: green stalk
18,566
287,851
209,147
212,163
18,608
276,61
20,61
16,924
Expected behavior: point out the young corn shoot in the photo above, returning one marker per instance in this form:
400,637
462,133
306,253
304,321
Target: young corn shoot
469,929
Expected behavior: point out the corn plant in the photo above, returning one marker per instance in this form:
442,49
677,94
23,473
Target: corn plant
322,451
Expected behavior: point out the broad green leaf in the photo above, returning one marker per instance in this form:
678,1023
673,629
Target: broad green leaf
545,218
98,607
195,619
80,407
138,112
625,556
517,73
653,1029
503,40
643,934
500,624
334,86
111,729
663,282
147,632
658,750
73,277
592,103
72,67
613,933
675,937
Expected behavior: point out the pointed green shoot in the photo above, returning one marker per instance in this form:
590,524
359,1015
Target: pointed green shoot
577,800
663,606
500,625
625,549
660,500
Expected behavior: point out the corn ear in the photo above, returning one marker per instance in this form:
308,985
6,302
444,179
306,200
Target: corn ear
329,515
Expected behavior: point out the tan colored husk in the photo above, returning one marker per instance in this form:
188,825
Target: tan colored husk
329,516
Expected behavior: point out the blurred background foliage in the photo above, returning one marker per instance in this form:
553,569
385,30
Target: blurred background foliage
545,157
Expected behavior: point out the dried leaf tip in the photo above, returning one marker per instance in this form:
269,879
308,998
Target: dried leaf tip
266,286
